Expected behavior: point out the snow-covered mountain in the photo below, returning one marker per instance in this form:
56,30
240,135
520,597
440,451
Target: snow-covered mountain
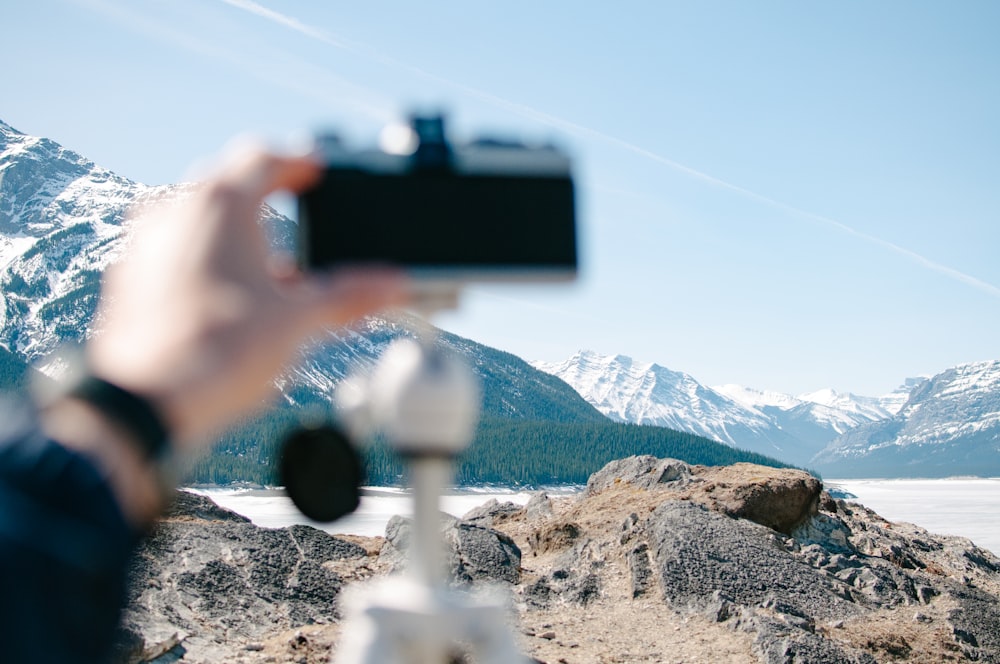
62,221
790,428
629,391
60,225
950,425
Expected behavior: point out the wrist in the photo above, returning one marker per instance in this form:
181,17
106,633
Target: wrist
122,432
135,480
136,416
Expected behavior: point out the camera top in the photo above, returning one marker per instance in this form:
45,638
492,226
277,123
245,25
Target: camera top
423,146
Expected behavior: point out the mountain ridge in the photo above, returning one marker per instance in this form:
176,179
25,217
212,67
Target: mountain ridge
791,428
950,425
943,425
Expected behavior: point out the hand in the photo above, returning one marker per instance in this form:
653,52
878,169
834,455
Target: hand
199,319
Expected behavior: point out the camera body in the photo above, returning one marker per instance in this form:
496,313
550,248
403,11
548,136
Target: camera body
484,211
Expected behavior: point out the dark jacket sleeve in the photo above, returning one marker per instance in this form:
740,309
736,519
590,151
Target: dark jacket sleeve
64,549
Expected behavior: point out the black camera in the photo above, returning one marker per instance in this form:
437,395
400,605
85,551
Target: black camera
482,211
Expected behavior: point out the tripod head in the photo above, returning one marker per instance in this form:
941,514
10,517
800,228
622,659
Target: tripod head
425,401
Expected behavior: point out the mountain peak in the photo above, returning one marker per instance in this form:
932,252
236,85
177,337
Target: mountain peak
61,220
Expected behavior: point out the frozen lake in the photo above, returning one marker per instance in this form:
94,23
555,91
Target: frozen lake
966,507
271,508
969,507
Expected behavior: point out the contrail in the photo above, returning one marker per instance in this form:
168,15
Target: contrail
286,21
333,90
583,131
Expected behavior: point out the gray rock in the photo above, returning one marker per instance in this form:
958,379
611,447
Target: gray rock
975,623
398,535
205,579
472,552
492,512
641,569
698,552
539,506
642,471
777,644
483,554
575,578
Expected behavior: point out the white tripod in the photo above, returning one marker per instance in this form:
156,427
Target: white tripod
427,403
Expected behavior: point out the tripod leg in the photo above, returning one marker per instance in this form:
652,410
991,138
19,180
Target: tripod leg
486,627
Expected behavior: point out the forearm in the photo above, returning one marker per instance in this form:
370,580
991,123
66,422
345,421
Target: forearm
64,544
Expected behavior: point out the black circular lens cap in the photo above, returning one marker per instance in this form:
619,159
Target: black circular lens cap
321,473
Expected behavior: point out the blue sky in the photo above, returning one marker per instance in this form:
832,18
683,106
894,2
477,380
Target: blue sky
785,195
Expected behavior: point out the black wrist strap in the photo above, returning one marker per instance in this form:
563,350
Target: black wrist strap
134,413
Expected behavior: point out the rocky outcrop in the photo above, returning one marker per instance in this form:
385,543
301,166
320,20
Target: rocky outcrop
656,561
207,576
646,472
774,497
207,584
765,553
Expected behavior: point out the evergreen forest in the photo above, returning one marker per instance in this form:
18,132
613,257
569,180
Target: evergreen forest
504,452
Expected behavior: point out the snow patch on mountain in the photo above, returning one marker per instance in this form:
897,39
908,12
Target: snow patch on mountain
754,398
646,393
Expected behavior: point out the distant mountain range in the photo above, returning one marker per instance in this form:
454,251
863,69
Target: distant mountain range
791,428
949,425
945,425
62,222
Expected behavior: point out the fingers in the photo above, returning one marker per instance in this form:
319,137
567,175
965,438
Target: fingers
344,296
257,172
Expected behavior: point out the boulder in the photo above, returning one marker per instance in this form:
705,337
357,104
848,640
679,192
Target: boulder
492,513
639,471
779,498
699,554
538,507
474,553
